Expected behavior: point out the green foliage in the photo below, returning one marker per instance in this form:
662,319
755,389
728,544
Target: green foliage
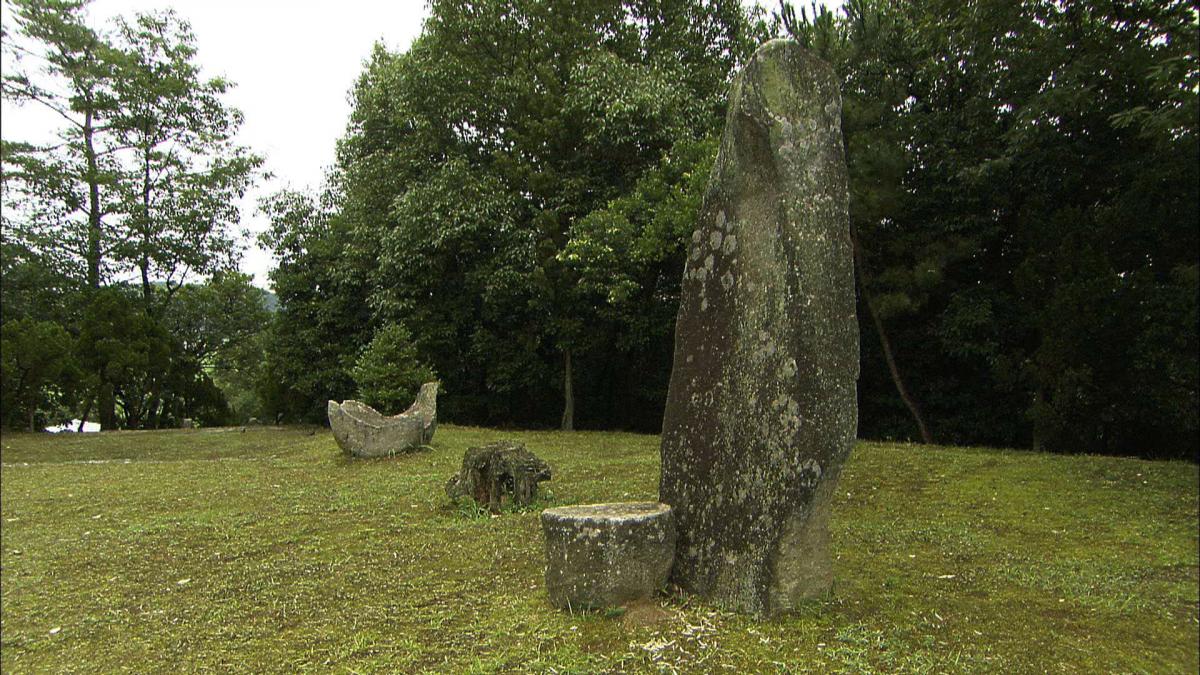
388,372
186,173
126,353
1024,193
628,257
139,374
516,188
213,318
36,369
64,190
35,286
238,374
322,321
619,249
470,162
219,326
144,181
121,349
146,177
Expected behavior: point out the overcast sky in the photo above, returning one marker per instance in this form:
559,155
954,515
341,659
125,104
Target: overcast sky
293,62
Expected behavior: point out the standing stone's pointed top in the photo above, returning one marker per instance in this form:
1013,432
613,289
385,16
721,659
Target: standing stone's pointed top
761,411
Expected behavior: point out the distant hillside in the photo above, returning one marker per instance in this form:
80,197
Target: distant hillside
271,301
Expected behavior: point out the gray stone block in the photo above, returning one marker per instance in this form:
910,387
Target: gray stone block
607,555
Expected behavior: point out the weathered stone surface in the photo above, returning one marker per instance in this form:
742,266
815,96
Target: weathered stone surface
362,431
497,470
605,555
761,411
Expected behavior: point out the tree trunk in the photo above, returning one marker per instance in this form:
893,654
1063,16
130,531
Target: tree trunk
153,417
886,344
1039,398
133,407
145,261
87,410
32,411
107,404
497,470
568,416
145,268
150,415
93,181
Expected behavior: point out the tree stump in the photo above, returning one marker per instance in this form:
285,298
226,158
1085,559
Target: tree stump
606,555
497,470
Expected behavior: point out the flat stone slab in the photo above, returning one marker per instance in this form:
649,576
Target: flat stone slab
362,431
607,555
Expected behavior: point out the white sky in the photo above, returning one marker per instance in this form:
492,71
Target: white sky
293,61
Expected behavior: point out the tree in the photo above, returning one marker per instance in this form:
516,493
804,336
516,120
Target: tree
142,375
36,361
144,180
33,286
188,173
1083,219
471,156
868,47
126,352
238,374
217,327
146,176
323,320
67,191
629,257
1024,194
213,318
388,372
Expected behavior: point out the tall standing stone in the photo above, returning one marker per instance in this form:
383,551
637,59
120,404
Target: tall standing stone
762,411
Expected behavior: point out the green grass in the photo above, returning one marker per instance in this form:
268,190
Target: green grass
218,551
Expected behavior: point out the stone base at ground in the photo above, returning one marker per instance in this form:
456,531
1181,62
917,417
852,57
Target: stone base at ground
607,555
499,472
362,431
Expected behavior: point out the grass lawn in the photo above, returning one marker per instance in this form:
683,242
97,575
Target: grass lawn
217,551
